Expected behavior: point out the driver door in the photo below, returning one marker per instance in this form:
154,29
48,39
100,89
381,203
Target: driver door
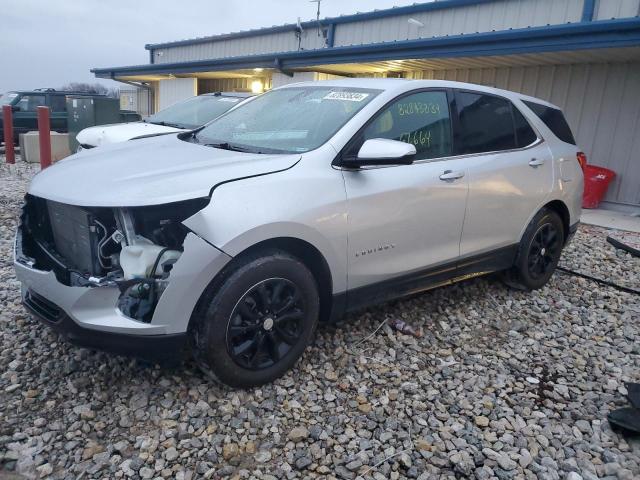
405,221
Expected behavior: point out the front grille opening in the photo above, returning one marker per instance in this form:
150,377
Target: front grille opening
42,307
64,238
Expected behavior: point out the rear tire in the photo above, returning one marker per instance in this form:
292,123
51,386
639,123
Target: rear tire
256,321
539,252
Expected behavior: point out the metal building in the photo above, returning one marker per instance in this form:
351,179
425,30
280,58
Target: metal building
583,55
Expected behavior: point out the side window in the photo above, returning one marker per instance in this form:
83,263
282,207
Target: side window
28,103
554,120
58,103
486,123
421,119
524,133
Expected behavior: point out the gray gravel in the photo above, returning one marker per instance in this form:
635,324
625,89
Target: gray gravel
503,384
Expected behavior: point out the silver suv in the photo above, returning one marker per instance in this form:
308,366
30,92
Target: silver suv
234,240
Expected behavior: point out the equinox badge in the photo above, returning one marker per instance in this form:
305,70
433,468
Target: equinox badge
379,248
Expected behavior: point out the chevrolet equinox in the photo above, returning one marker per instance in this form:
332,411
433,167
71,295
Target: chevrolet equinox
232,241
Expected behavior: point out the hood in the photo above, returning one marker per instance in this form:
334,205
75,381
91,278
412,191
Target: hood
120,132
149,171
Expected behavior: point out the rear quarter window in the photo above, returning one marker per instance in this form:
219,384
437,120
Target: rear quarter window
525,135
554,120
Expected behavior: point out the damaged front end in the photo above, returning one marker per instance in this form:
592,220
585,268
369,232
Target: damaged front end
133,249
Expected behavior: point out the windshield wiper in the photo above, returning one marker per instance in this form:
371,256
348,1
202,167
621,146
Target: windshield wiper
230,146
167,124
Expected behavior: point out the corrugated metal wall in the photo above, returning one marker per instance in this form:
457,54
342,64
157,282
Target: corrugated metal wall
275,42
207,85
136,99
607,9
499,15
174,90
601,102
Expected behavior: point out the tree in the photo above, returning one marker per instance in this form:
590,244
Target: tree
96,88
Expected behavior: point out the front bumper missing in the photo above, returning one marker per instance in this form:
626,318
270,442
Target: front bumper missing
151,347
89,315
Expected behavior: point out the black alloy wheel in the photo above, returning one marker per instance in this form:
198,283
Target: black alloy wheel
265,323
544,251
256,318
538,253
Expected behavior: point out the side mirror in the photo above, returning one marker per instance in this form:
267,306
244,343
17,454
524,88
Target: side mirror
15,108
382,151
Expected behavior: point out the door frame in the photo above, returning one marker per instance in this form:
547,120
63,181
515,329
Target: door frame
455,128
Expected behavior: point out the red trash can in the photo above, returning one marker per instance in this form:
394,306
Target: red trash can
596,182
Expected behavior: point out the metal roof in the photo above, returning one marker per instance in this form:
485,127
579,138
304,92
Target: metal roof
552,38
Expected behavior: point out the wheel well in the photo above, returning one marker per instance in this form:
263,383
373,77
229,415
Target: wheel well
311,257
561,209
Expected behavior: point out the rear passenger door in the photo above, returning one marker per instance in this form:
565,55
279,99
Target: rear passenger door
510,171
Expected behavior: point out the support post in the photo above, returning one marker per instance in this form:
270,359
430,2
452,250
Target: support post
9,148
331,35
44,136
588,10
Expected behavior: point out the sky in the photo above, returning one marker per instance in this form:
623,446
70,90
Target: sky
48,43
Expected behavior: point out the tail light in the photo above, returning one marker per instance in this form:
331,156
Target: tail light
582,160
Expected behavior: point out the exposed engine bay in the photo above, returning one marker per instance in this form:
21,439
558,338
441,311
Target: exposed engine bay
133,248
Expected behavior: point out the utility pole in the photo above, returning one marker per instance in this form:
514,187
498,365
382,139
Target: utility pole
318,2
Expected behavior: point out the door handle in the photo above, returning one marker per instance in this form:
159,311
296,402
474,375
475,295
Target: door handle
451,175
536,162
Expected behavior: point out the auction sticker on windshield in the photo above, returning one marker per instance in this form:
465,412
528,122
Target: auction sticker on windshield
348,96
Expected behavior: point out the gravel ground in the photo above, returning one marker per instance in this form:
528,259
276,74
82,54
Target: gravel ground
503,384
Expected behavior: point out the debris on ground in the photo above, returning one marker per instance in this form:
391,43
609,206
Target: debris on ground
403,327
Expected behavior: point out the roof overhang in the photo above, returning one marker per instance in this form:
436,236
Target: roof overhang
583,36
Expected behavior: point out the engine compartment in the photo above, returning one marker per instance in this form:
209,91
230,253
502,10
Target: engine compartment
132,248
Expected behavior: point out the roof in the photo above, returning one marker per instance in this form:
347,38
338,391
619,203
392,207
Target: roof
288,27
551,38
401,84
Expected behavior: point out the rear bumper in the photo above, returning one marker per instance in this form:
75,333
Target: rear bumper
151,347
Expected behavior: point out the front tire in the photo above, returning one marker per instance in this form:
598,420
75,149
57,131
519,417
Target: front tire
539,252
255,322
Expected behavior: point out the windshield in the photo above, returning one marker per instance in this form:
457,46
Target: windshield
290,120
194,112
7,98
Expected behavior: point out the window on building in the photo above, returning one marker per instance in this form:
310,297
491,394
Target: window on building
486,123
29,103
58,103
524,133
554,120
421,119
